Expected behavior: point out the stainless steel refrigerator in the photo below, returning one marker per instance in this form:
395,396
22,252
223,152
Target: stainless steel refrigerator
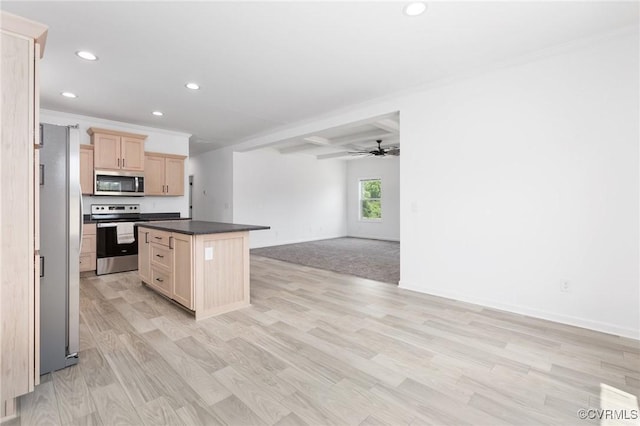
60,240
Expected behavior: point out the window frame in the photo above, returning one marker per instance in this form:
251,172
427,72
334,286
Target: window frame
361,180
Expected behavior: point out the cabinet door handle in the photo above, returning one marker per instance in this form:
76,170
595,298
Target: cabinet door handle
118,162
158,238
146,238
160,280
123,162
170,242
161,257
167,189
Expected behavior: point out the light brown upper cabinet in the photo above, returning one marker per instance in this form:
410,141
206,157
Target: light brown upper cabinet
86,169
164,174
114,150
22,43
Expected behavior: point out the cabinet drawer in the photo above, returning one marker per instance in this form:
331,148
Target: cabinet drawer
88,244
161,280
89,229
87,262
161,256
159,237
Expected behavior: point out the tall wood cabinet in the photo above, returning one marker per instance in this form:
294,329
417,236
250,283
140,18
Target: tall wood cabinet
114,150
22,43
86,169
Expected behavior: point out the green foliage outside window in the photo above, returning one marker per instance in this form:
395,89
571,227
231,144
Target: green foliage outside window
370,196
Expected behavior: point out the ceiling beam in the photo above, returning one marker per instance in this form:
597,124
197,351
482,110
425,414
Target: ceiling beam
353,125
333,155
297,148
368,136
354,147
388,124
318,140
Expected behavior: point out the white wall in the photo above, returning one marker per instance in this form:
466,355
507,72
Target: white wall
213,185
387,169
157,141
520,178
301,198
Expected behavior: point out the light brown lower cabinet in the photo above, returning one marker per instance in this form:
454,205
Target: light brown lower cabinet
88,249
165,263
208,274
144,267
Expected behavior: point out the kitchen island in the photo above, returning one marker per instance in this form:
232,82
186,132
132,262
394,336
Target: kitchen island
203,266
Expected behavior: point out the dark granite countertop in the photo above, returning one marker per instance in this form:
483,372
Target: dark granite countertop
146,217
198,227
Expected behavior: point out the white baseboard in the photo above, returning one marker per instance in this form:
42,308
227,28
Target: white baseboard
366,237
523,310
300,240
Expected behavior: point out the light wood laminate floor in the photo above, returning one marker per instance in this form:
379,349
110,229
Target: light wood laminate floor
318,348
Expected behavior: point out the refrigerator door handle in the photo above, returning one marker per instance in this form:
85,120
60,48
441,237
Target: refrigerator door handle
81,220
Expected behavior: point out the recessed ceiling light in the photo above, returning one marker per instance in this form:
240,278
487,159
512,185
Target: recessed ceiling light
87,55
157,113
69,95
192,86
414,9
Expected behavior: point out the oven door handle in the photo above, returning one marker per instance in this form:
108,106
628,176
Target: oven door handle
108,224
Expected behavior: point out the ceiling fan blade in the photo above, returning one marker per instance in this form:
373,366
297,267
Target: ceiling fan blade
393,151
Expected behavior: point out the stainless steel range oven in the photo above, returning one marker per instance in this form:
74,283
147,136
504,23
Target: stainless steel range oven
116,239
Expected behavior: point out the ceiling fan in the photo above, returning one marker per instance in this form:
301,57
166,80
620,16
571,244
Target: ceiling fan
380,151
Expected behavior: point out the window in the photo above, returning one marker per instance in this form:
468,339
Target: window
370,199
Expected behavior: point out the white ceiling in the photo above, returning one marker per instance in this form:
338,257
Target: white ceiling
263,65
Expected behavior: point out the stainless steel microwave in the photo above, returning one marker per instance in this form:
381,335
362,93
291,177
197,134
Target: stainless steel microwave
128,184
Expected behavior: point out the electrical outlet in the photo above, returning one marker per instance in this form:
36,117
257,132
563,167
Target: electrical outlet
564,287
208,253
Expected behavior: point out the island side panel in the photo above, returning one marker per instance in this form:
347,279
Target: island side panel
183,269
222,282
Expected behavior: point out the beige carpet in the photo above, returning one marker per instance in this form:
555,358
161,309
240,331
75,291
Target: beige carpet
373,259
